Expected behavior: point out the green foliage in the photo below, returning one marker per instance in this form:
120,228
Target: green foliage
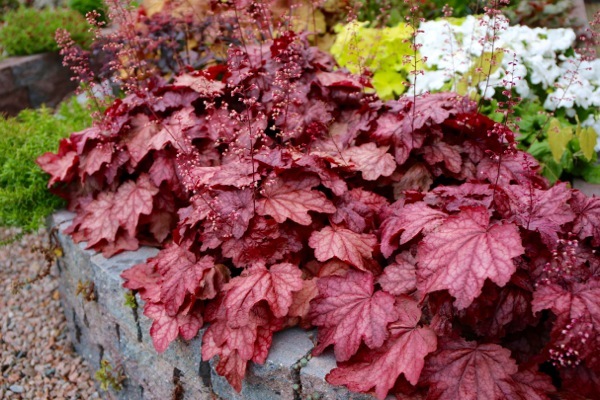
564,149
7,5
85,6
24,199
370,10
382,51
483,66
130,300
30,31
109,377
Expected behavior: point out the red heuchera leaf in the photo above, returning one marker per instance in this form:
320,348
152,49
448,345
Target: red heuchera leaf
344,244
417,177
464,251
93,161
230,211
468,370
403,353
132,200
371,160
587,220
533,385
200,84
235,346
359,210
391,129
145,279
429,108
165,328
302,298
239,174
578,312
399,277
499,309
174,131
541,210
265,241
61,166
352,312
453,198
101,219
138,138
275,285
520,167
409,219
182,275
439,151
293,199
580,383
320,166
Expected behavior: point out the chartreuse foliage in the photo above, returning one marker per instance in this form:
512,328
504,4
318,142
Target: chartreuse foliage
427,250
24,199
359,47
452,59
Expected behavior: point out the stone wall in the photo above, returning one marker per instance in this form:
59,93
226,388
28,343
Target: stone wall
106,328
30,81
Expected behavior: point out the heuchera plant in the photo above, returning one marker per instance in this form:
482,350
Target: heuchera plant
428,251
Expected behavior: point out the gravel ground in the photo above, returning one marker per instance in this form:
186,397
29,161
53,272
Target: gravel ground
37,360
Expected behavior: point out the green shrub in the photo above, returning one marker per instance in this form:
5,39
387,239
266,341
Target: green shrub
85,6
24,199
30,31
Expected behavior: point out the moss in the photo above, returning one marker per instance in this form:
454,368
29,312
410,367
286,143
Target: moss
24,199
29,31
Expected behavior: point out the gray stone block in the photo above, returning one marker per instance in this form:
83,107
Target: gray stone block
313,381
590,189
34,80
276,377
107,329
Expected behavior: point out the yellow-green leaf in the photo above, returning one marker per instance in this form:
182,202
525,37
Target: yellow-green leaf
558,138
483,66
587,140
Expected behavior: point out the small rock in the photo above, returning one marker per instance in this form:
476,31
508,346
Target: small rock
16,389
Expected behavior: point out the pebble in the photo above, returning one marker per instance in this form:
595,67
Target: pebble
36,359
16,389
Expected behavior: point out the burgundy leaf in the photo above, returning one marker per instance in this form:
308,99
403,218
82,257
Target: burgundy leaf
371,160
264,241
359,210
200,84
293,199
344,244
275,285
439,152
399,277
354,313
464,251
61,166
165,328
403,353
587,220
544,211
406,222
182,275
468,370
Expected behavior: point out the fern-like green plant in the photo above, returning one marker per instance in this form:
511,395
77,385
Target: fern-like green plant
29,31
24,199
